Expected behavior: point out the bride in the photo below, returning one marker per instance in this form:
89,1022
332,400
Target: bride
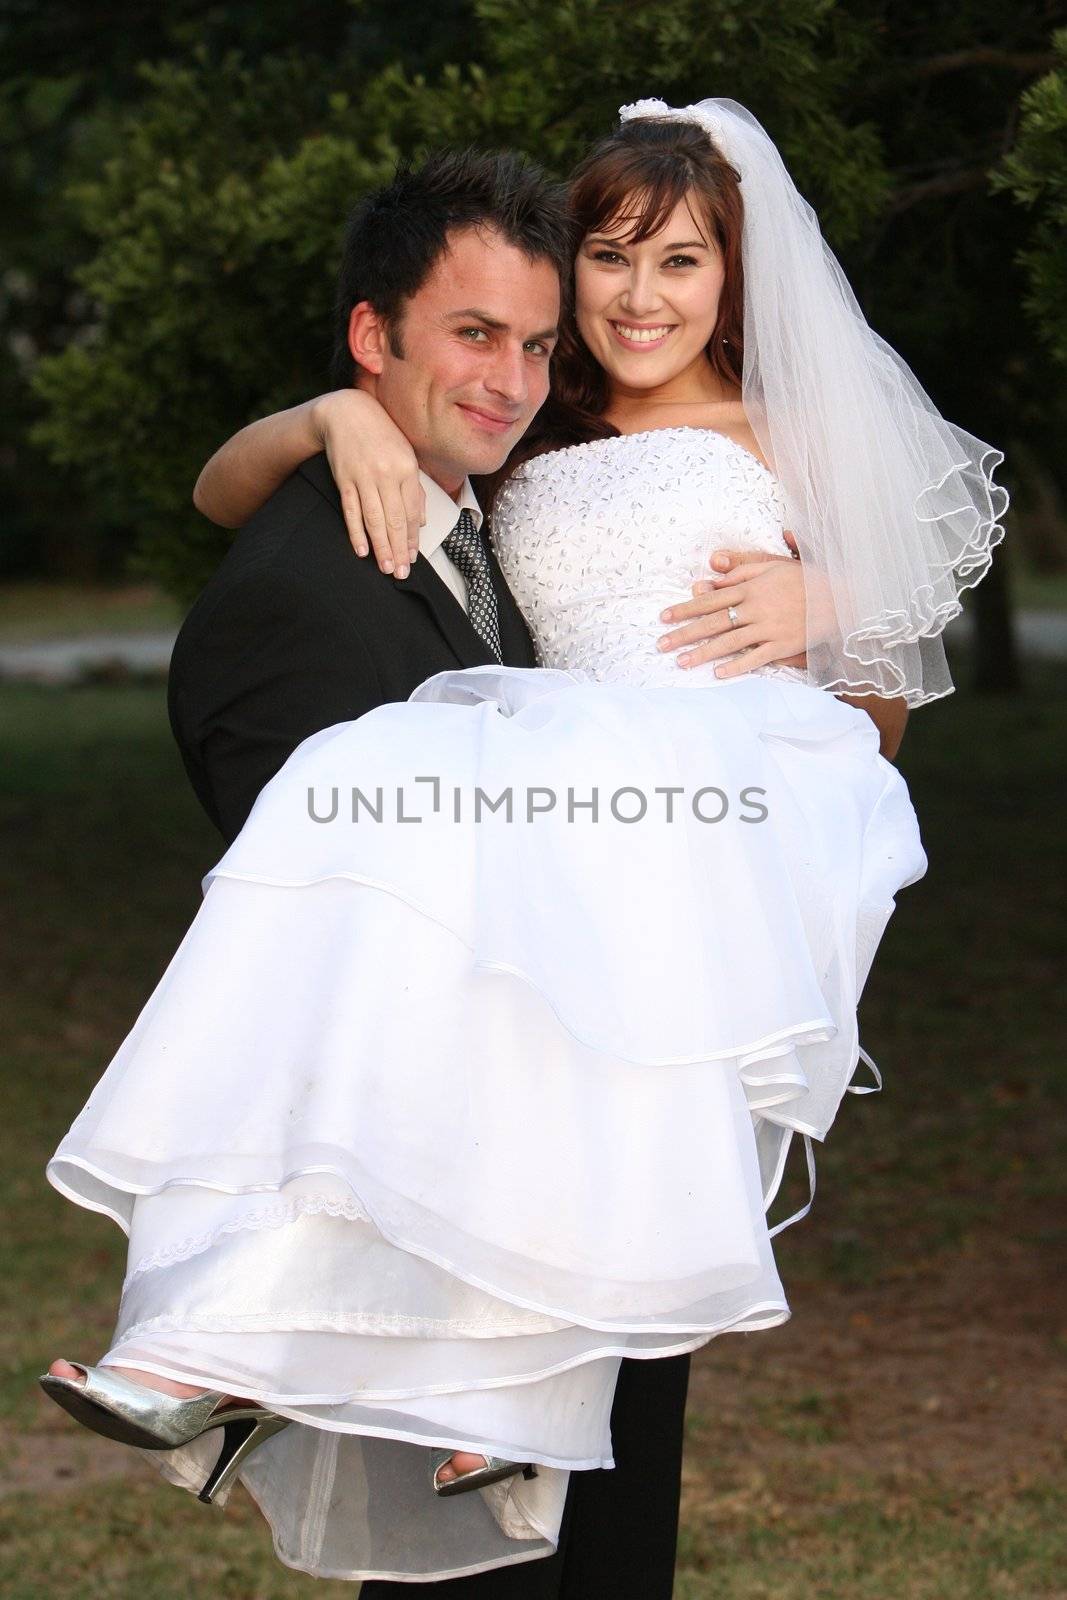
492,1121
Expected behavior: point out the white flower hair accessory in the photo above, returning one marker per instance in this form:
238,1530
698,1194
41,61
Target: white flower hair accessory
659,110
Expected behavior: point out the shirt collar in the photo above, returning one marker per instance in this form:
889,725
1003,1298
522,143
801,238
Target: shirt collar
442,513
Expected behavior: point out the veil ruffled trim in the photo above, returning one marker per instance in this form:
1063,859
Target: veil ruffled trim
893,505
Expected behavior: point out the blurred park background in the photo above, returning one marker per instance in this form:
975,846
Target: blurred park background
173,183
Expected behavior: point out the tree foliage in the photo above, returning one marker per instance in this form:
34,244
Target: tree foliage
212,210
218,213
72,80
1036,174
216,222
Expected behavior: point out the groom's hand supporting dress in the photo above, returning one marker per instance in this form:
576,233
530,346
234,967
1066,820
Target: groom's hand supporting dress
776,593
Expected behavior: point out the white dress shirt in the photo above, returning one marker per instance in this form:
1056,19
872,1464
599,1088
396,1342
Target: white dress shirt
442,514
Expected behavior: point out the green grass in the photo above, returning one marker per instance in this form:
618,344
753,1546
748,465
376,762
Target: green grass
1039,591
932,1546
132,1540
31,612
896,1441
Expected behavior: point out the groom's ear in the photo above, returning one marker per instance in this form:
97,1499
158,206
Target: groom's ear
366,338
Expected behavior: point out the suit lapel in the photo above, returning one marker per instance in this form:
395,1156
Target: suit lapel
427,589
516,646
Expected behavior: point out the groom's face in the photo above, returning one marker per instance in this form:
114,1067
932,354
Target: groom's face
465,367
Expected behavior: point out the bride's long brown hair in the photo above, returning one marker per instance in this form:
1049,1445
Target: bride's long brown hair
636,176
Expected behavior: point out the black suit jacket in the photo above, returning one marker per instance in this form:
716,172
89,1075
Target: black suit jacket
294,633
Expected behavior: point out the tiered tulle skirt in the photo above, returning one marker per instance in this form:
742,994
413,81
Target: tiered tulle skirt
430,1122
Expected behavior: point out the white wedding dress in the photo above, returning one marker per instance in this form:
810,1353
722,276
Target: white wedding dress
427,1125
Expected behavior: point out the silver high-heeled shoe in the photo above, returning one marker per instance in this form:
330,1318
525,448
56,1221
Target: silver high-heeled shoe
121,1409
495,1469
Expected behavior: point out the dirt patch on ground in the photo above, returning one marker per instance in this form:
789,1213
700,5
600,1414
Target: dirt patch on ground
55,1460
956,1378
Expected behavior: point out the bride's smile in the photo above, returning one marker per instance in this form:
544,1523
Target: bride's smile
634,333
647,308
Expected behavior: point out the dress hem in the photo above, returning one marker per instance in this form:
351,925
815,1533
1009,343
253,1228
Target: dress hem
565,1314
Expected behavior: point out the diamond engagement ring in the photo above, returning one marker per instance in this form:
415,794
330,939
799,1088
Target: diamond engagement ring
731,612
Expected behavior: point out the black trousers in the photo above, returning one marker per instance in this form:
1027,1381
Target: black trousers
619,1533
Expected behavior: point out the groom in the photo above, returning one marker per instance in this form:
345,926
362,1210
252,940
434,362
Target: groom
449,305
449,310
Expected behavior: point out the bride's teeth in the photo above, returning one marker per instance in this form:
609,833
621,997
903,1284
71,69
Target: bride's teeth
641,335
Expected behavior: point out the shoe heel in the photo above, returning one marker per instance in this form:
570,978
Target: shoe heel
240,1438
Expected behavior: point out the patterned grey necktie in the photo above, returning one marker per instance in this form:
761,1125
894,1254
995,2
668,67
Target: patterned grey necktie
464,547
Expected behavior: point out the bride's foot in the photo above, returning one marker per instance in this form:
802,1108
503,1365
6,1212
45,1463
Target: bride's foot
117,1403
458,1464
149,1380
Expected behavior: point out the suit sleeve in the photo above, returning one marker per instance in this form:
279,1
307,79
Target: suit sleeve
270,665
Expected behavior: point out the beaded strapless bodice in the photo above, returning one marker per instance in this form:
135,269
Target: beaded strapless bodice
597,539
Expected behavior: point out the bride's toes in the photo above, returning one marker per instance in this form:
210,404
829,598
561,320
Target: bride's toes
63,1369
458,1464
147,1380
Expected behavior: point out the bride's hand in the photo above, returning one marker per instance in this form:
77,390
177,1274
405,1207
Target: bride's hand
377,476
772,595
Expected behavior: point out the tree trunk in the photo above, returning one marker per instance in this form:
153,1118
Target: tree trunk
995,653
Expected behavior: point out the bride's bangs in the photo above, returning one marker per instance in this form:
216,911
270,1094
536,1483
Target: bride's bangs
629,185
631,213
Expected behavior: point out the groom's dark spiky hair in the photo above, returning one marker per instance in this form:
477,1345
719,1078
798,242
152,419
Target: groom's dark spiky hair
396,234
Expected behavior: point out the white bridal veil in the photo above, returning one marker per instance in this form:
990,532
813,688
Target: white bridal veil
896,506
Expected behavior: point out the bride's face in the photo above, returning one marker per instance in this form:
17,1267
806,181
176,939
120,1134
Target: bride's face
647,311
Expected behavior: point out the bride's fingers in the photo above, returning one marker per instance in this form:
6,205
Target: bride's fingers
396,527
723,560
761,656
723,644
352,511
705,590
705,625
377,527
744,572
706,602
414,498
753,653
708,615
